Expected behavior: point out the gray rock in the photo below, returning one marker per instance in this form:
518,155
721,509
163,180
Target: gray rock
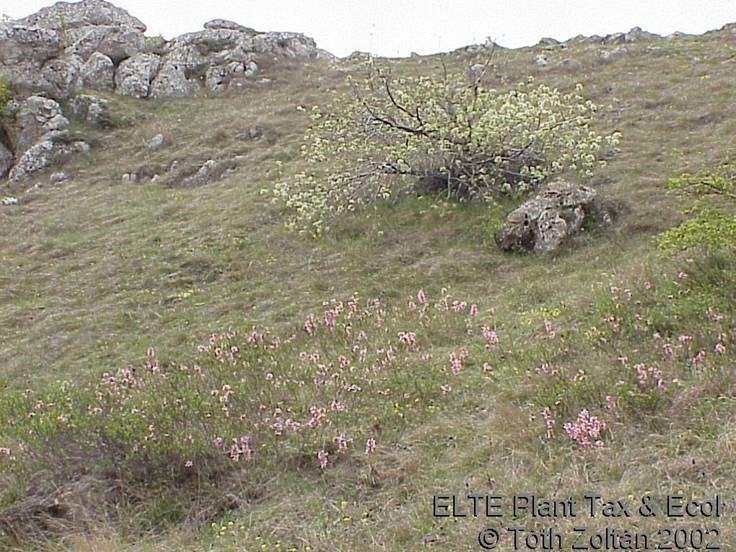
59,177
75,16
541,61
615,38
6,160
637,33
22,43
543,223
46,52
172,82
229,25
92,26
98,72
548,42
64,74
252,133
156,142
211,170
23,51
53,149
35,117
115,43
134,75
92,110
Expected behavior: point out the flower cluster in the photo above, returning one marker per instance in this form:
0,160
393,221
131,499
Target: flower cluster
586,430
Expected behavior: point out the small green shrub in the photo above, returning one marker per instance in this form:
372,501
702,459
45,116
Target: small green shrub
5,95
714,223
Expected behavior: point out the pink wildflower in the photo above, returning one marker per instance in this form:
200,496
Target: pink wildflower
490,336
322,457
421,297
370,446
586,430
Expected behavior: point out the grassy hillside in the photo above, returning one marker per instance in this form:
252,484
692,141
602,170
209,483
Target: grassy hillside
97,271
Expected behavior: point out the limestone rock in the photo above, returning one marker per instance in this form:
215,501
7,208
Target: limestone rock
59,177
229,25
22,43
98,72
549,43
64,74
134,75
211,170
47,51
74,17
92,26
54,148
637,33
543,223
92,110
156,142
23,51
6,160
172,82
35,117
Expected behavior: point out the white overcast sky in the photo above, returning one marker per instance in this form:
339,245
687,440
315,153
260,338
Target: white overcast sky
399,27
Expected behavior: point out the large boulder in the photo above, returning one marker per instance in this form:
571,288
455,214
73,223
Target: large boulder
543,223
35,117
134,75
92,26
172,82
23,52
21,43
98,72
63,75
54,148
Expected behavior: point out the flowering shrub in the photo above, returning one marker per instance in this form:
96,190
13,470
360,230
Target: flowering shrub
391,133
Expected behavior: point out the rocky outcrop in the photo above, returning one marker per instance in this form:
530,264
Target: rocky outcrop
93,44
53,149
35,117
91,26
40,137
543,223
